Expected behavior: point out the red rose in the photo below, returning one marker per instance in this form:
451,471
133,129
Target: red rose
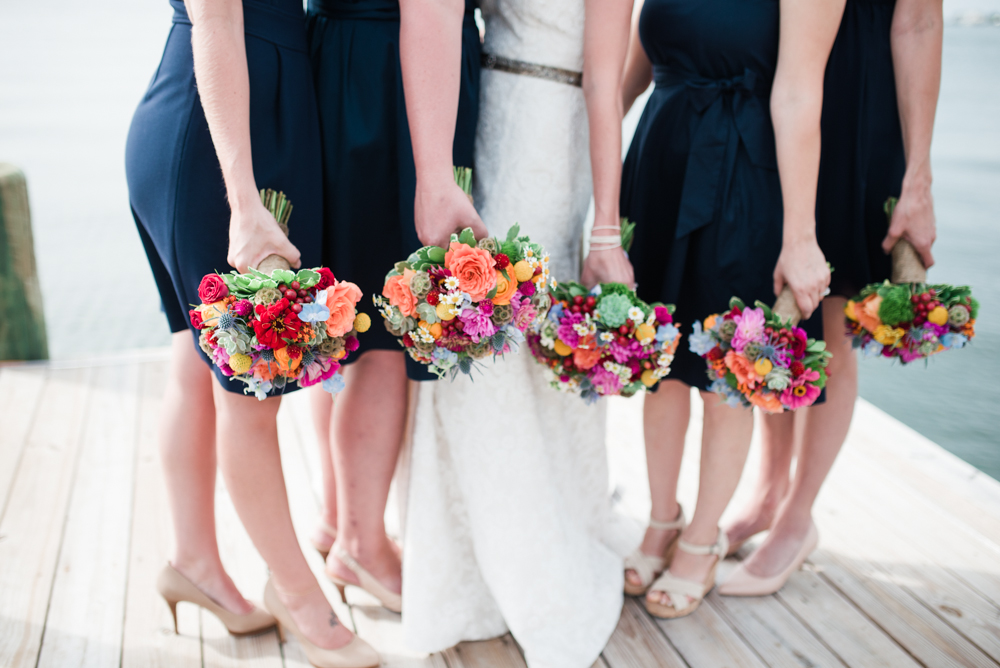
212,289
715,354
196,319
326,279
277,323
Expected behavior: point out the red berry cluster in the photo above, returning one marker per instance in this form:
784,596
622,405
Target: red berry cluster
581,304
923,304
295,295
501,261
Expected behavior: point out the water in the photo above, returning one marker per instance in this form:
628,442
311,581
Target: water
73,76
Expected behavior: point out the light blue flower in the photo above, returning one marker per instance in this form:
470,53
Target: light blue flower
700,342
260,388
513,334
315,311
556,313
444,358
872,349
667,333
596,290
952,340
334,384
728,395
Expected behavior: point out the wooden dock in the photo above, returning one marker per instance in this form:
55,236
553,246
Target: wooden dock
907,574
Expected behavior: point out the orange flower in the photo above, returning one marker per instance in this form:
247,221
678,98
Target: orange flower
586,359
340,299
742,368
397,291
474,269
210,312
866,312
285,363
766,401
264,370
506,289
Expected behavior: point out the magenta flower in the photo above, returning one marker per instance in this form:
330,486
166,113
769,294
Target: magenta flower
749,328
524,313
623,353
663,315
476,325
607,383
243,308
566,331
318,371
801,392
486,307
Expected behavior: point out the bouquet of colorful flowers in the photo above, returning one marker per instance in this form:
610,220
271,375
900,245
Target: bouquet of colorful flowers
270,329
906,318
756,357
605,341
450,307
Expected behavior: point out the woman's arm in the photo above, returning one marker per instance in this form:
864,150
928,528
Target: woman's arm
220,69
808,29
430,54
917,31
605,42
638,69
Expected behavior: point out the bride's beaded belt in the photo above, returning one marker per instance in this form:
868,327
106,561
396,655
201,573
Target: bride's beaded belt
556,74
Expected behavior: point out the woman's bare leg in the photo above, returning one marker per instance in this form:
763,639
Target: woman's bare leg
187,454
322,414
251,465
666,413
826,428
724,446
369,417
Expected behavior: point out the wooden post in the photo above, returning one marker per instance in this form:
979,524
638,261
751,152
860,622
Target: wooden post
22,322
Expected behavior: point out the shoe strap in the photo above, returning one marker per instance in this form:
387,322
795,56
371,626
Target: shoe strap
718,548
678,523
646,566
677,588
327,529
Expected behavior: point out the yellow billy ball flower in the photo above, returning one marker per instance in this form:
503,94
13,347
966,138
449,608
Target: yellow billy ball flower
436,330
562,349
444,311
645,333
648,378
938,315
362,323
888,336
762,366
523,271
239,363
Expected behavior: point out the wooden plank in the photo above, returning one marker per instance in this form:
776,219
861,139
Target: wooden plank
32,525
87,605
20,390
841,627
148,640
776,635
637,642
496,653
705,640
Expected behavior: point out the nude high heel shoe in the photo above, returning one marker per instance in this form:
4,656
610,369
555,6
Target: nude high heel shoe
648,566
174,588
329,531
355,654
389,599
679,588
742,582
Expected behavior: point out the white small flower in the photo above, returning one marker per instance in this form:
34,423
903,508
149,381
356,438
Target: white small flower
635,314
581,329
545,258
451,283
607,337
452,298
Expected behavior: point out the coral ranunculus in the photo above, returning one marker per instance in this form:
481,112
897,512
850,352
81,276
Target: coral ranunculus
766,401
340,299
397,291
586,359
210,313
212,289
867,312
742,368
506,287
474,269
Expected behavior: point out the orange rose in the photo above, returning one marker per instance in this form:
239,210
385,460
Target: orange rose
473,267
506,289
586,359
397,291
742,368
286,364
766,401
867,312
340,299
210,312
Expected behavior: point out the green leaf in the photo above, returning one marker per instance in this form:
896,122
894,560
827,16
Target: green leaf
513,232
628,233
736,301
435,254
467,237
282,276
492,293
307,278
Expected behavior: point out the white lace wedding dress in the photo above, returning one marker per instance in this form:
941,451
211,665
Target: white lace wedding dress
508,518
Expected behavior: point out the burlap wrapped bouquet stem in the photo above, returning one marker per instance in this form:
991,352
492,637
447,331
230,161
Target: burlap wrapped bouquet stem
786,308
907,267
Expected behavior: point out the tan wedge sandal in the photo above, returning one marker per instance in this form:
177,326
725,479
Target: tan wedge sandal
648,566
680,589
174,588
355,654
389,599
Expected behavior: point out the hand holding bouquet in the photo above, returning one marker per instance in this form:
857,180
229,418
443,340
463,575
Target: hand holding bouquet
759,357
269,329
605,341
450,307
906,318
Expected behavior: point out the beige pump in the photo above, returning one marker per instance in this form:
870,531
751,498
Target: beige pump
389,599
174,588
742,582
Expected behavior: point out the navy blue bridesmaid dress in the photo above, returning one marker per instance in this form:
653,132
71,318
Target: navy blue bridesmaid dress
369,179
175,183
700,178
862,161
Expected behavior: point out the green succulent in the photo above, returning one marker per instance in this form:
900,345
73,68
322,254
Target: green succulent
614,309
